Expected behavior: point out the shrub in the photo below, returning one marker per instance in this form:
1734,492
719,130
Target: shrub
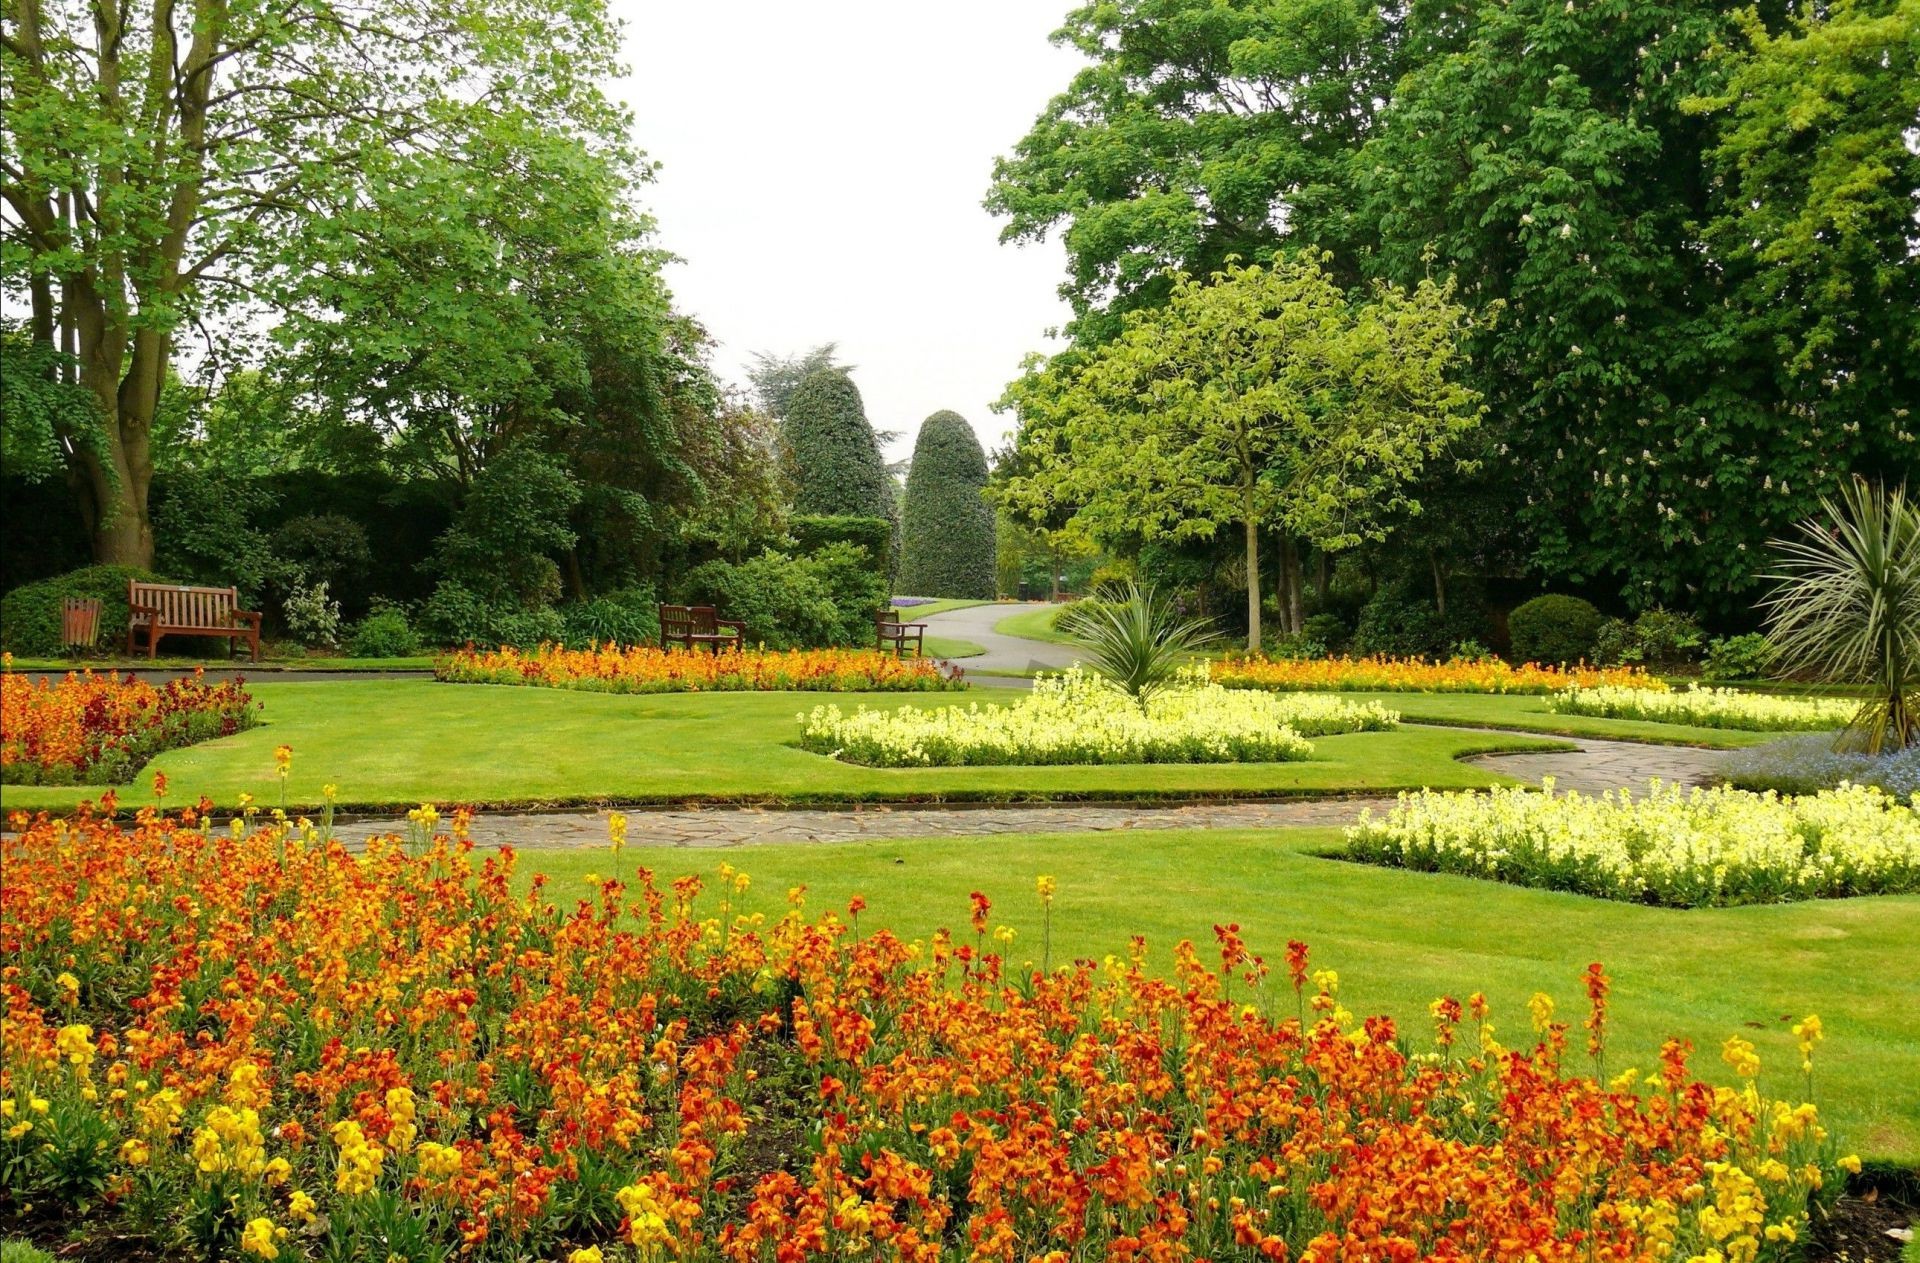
947,531
327,548
1396,623
17,1251
826,598
1554,629
812,533
1327,629
1657,639
312,617
30,614
630,616
203,530
832,452
501,543
1745,657
1135,638
453,615
385,633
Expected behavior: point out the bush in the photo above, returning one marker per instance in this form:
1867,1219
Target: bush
947,536
826,598
18,1251
501,543
312,618
203,531
811,534
1745,657
832,452
1396,623
1554,629
385,633
628,617
455,615
327,548
30,614
1326,629
1658,639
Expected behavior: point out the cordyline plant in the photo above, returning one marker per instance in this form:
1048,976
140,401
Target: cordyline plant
1848,608
1135,637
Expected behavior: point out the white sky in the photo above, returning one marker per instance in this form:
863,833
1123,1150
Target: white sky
822,167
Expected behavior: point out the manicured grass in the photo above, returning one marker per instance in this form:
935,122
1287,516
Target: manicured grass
952,647
1530,714
940,605
392,742
1036,625
1401,939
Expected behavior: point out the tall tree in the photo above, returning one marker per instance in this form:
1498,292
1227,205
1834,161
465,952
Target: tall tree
157,162
1262,398
775,377
832,452
947,528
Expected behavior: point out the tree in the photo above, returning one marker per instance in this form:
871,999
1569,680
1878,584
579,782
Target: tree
1261,398
831,450
947,528
775,377
157,165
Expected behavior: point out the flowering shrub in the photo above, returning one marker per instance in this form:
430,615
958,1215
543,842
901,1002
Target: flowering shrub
1078,717
1685,847
644,669
89,729
1418,675
259,1045
1809,764
1708,708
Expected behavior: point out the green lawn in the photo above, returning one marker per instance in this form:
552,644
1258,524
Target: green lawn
1401,939
952,647
390,742
1036,625
940,605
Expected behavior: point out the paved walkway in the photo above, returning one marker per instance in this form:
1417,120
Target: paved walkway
1003,653
1602,765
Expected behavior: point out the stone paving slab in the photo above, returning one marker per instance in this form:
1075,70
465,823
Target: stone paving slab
1597,766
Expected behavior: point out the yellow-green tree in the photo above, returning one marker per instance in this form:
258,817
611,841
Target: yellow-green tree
1257,398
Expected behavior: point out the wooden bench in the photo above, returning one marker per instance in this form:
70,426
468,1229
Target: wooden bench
890,633
166,609
691,625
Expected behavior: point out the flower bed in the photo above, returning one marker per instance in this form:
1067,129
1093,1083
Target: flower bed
644,669
1077,717
1682,847
1708,708
236,1045
89,729
1418,675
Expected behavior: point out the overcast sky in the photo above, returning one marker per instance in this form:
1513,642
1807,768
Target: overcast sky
822,167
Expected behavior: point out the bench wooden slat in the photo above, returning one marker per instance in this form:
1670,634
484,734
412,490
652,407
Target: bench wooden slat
167,609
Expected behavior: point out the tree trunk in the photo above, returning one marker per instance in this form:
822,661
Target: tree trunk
1253,576
1322,577
1295,613
1053,574
1439,582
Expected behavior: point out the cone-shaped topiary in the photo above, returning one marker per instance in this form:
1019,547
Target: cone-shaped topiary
833,454
947,544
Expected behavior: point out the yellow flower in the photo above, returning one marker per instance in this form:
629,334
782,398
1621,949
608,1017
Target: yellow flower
278,1172
75,1043
1807,1033
589,1255
1046,886
1540,1007
329,791
1739,1055
259,1237
617,830
1850,1164
300,1206
135,1153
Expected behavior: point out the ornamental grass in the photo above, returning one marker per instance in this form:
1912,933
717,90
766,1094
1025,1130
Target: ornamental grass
253,1043
1418,675
87,729
645,669
1081,718
1708,708
1668,845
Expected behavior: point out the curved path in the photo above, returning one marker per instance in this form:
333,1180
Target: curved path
1003,652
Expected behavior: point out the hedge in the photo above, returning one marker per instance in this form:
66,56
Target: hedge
832,450
947,532
1554,629
30,614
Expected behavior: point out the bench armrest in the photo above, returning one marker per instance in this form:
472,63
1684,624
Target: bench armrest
739,627
251,616
151,611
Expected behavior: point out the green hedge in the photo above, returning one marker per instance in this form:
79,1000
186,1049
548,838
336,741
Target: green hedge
828,597
947,529
813,532
30,614
1554,629
832,451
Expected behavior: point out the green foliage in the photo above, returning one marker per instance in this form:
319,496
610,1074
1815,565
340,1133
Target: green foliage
1657,639
501,544
1399,622
41,408
1743,657
828,597
311,615
811,533
627,617
327,548
455,615
30,614
1554,629
1847,607
831,452
1135,637
1261,398
18,1251
776,377
947,530
384,633
204,522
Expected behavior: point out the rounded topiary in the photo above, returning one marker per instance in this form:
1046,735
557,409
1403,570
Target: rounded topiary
1554,629
947,534
30,614
833,454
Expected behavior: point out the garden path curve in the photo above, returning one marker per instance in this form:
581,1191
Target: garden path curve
1003,652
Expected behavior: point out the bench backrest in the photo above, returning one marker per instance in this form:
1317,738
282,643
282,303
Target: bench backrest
183,606
688,620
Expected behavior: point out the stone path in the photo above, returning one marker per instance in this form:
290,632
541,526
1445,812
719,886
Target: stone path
1003,653
1595,766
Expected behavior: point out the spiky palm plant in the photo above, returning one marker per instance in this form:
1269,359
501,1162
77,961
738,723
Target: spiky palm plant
1135,637
1847,608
